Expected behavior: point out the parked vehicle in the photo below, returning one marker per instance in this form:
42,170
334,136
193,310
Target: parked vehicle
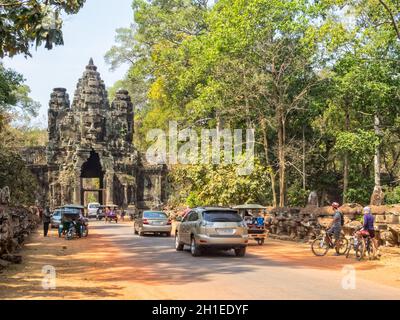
252,215
92,209
155,222
55,219
212,227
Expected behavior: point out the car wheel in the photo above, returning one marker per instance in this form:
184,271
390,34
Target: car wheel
178,244
194,248
240,252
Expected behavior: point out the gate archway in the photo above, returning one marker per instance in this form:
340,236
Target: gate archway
92,180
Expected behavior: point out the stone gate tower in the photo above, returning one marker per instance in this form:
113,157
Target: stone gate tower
92,138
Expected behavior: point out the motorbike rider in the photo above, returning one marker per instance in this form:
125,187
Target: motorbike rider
336,225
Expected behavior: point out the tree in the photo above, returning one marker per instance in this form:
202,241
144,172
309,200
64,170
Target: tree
15,103
28,21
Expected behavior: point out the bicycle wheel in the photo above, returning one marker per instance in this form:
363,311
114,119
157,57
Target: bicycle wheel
359,249
350,246
341,249
320,246
370,249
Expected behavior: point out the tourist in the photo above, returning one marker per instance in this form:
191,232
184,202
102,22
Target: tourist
368,225
336,225
46,221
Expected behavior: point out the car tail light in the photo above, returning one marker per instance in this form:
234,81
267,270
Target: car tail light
145,221
169,222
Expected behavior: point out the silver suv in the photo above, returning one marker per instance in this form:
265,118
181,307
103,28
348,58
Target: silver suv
209,227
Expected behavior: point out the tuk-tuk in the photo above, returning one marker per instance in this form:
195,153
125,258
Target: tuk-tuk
114,213
73,222
253,216
101,212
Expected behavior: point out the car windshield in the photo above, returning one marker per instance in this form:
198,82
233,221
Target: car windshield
221,216
154,215
93,206
57,214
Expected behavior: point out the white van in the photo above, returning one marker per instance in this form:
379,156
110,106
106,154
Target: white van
92,209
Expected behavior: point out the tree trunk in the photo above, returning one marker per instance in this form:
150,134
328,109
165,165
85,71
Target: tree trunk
377,195
304,159
377,156
346,158
281,157
270,169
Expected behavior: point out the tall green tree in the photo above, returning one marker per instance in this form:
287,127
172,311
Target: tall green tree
32,21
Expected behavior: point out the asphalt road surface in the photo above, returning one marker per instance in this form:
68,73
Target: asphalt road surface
113,263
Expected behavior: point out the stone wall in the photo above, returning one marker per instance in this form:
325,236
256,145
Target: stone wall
16,223
304,224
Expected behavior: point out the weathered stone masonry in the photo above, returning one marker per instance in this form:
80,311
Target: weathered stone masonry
92,138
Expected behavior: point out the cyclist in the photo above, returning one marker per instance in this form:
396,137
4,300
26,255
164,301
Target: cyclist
368,225
336,225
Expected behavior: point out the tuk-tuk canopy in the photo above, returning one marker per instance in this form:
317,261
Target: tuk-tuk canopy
73,206
72,209
249,206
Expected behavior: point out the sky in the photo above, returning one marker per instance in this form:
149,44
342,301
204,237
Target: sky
90,33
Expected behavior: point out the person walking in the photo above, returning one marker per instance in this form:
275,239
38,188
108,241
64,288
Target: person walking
46,221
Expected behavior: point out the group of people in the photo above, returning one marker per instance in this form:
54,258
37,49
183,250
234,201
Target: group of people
368,227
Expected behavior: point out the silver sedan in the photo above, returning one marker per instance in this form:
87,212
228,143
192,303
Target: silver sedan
155,222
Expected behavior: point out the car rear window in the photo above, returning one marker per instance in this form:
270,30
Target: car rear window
154,215
93,206
221,216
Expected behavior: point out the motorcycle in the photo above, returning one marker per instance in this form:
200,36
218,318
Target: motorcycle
71,231
85,228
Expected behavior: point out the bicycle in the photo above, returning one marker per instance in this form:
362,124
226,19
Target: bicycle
321,245
362,244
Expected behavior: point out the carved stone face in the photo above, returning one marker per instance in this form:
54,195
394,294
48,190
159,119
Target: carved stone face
92,128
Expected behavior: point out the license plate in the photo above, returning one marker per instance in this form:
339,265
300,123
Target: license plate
226,231
158,222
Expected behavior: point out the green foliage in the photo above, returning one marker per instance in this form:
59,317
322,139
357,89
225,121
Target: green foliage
360,144
220,185
15,175
392,195
297,196
38,21
15,103
358,195
318,72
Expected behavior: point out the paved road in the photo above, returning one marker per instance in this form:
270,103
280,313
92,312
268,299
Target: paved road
221,275
115,263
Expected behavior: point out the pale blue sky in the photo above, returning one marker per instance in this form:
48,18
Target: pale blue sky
90,33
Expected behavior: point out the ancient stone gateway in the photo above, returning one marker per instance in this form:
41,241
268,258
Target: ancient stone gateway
90,150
